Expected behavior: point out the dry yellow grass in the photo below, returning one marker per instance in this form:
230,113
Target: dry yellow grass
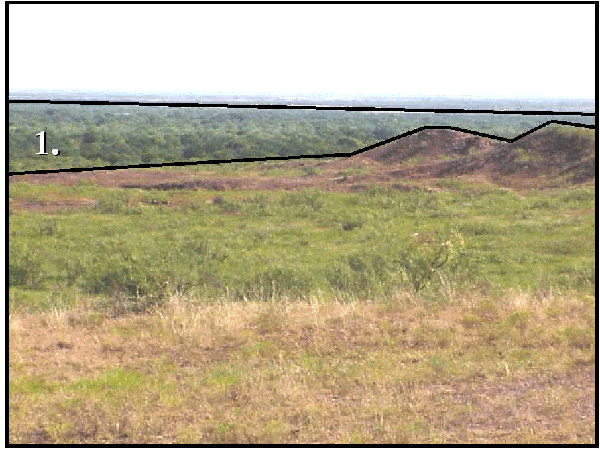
517,369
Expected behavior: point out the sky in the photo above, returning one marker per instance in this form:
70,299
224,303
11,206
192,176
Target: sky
474,50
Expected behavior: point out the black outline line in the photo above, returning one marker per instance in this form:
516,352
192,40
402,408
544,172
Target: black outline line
292,106
307,2
597,98
172,104
311,156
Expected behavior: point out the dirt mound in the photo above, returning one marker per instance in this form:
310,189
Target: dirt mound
431,144
558,154
555,151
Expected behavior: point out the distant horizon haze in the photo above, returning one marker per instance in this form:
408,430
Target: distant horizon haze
355,95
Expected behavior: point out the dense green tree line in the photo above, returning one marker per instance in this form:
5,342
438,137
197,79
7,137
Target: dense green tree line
89,135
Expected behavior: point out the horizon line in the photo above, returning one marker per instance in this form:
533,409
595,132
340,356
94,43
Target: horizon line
361,95
185,104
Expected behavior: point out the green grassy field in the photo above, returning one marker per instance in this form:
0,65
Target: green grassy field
382,316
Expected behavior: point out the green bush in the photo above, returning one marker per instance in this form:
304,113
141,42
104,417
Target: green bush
199,249
428,254
49,227
119,272
310,199
343,278
126,279
274,283
24,266
583,279
364,273
114,202
350,223
259,206
227,206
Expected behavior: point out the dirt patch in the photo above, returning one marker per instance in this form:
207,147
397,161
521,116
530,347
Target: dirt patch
49,206
511,403
106,178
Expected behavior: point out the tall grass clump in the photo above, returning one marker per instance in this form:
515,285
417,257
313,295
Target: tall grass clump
24,265
303,203
363,274
226,205
275,283
115,202
126,280
259,206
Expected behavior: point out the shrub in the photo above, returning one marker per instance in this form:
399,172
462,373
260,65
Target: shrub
259,205
351,224
582,194
426,255
578,337
226,206
24,266
126,279
273,283
48,227
310,199
73,268
363,273
344,278
201,249
120,274
114,202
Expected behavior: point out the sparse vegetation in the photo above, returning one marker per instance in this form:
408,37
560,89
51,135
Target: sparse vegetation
452,312
331,371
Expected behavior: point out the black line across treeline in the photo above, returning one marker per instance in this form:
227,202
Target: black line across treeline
312,156
172,104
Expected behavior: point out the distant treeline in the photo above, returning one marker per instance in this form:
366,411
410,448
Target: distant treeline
88,135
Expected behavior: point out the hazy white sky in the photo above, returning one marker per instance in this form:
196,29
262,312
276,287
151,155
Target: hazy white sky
401,49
